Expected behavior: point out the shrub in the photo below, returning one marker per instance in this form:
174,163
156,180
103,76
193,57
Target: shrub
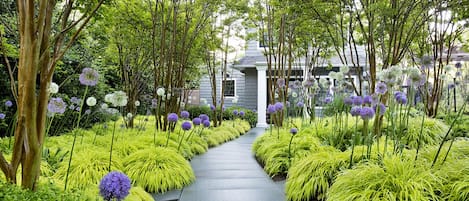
273,152
158,169
82,174
395,179
310,177
195,111
11,192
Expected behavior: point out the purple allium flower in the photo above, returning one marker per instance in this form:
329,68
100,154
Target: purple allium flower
287,103
300,104
186,125
271,109
278,106
154,103
212,107
451,86
458,65
235,112
89,77
328,100
241,113
308,83
77,109
382,109
357,100
367,99
223,108
348,101
2,116
88,111
296,84
355,111
75,100
401,99
206,123
281,82
172,117
185,114
293,131
56,105
8,103
196,121
398,93
203,117
381,88
367,113
115,185
458,74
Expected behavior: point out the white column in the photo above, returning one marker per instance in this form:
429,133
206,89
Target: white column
261,96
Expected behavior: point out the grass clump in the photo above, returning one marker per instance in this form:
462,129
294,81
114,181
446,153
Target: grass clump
158,169
310,177
395,179
87,168
273,152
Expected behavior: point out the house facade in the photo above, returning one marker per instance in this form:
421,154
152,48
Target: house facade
250,78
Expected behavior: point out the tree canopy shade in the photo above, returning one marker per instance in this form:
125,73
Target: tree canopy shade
43,42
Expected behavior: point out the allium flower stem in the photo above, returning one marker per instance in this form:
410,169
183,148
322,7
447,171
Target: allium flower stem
75,138
353,141
447,134
167,138
112,144
419,138
289,150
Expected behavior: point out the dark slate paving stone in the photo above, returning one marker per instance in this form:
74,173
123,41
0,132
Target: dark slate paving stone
172,195
230,172
233,195
233,183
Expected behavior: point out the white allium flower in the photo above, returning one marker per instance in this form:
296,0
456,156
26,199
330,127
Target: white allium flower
294,94
447,68
324,82
183,104
332,74
108,98
129,115
235,100
344,69
137,103
339,76
160,91
53,88
168,96
91,101
119,99
104,106
276,95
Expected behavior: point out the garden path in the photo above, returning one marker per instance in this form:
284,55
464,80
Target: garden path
229,172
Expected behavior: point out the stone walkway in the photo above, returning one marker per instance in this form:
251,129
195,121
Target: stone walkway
229,172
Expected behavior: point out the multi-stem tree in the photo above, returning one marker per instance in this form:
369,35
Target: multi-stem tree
176,34
42,45
129,26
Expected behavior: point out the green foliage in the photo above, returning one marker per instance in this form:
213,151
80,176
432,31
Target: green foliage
158,169
273,152
88,167
310,177
249,115
395,179
137,193
195,111
10,192
433,131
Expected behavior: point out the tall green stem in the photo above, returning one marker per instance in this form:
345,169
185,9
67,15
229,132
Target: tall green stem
112,144
75,138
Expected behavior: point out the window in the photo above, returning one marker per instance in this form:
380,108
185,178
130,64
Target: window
229,88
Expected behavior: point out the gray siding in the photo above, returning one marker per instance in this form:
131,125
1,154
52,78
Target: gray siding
206,89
